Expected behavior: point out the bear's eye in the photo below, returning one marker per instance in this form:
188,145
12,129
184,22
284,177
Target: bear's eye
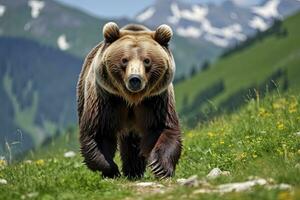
124,61
147,62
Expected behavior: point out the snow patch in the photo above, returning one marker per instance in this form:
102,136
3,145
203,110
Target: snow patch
258,23
268,10
190,31
146,15
2,10
176,14
233,31
197,13
216,40
62,43
36,7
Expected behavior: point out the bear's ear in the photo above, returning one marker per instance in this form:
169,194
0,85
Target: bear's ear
111,32
163,34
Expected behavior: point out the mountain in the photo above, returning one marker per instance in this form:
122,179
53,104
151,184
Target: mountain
37,93
268,63
223,25
76,32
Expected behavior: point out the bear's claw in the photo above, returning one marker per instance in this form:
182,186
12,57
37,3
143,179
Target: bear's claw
160,169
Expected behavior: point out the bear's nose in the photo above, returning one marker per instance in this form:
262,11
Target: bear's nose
135,83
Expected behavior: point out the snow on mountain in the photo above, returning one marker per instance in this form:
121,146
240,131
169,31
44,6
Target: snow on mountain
2,10
268,10
145,15
189,31
63,43
36,7
197,13
258,23
222,24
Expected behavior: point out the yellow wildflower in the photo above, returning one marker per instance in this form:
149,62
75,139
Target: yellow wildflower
40,162
190,135
254,156
280,126
210,134
293,107
3,163
263,112
222,142
279,104
241,156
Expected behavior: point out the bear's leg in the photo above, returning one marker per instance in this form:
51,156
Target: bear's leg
98,155
134,163
165,154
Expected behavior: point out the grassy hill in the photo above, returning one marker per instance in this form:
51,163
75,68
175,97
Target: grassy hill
273,61
261,140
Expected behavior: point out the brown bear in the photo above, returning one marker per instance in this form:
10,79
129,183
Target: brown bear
125,97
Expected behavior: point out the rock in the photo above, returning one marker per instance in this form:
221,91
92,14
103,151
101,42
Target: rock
191,181
225,173
297,166
281,186
242,186
149,184
30,195
3,181
69,154
297,134
216,172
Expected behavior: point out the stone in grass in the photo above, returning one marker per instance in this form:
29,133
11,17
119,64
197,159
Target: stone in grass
193,181
3,181
243,186
297,134
216,172
149,184
297,166
69,154
30,195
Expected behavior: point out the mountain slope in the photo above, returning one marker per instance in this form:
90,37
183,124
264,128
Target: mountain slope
274,58
222,24
37,90
76,32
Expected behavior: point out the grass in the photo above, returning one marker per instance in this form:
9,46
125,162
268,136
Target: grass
259,140
248,67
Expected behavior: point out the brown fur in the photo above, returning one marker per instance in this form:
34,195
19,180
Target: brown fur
145,123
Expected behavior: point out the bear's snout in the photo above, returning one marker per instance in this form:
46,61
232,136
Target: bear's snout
135,83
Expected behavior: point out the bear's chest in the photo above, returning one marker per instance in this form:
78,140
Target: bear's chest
135,119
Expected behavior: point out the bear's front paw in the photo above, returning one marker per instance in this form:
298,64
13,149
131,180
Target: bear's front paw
162,167
112,172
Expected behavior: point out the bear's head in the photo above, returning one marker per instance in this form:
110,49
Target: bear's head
135,62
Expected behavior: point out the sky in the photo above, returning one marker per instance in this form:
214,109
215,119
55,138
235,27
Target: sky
128,8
